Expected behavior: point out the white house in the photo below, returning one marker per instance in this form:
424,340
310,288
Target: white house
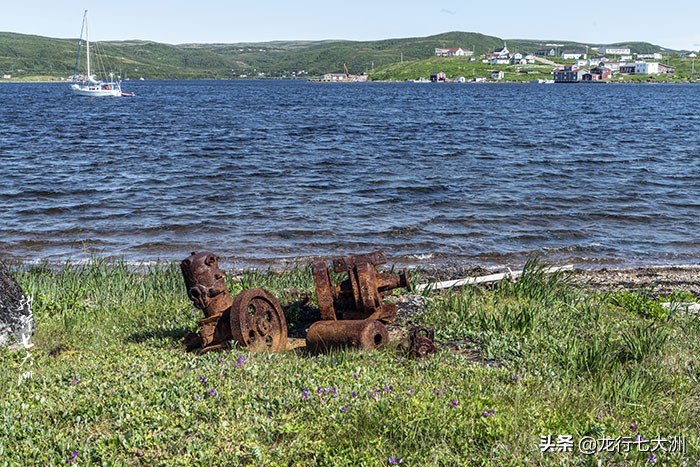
572,55
453,52
500,56
614,50
654,56
498,74
646,68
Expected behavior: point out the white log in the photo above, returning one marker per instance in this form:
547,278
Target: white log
485,279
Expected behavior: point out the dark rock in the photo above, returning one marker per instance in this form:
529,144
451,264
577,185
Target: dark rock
16,319
409,308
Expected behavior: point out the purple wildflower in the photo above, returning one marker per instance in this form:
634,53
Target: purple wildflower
221,359
354,395
241,361
410,390
355,377
202,379
212,393
488,413
197,397
344,409
454,403
305,393
319,390
73,456
395,460
652,459
633,426
75,380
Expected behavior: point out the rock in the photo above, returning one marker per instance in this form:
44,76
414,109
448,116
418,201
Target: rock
16,319
408,308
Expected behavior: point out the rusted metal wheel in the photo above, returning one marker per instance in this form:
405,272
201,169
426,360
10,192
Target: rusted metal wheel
257,321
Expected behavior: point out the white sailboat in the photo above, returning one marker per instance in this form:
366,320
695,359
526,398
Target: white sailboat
88,84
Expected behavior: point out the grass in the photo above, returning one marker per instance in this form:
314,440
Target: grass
108,381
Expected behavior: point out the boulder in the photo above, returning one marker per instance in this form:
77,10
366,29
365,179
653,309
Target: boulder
16,319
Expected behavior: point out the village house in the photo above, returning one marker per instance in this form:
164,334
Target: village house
572,55
439,77
500,56
546,52
614,50
654,56
598,73
569,74
335,77
652,68
497,75
613,65
646,68
454,52
627,68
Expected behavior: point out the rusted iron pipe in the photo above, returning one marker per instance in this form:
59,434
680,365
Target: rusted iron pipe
323,336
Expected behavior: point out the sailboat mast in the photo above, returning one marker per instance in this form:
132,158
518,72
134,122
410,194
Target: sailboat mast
87,47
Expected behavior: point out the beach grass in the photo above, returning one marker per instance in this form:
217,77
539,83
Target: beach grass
536,369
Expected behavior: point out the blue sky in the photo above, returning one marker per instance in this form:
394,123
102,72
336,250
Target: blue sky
673,24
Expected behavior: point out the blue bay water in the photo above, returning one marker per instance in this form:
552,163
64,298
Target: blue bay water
262,172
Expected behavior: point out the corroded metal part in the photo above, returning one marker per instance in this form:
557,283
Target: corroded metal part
325,291
258,322
421,341
362,334
205,283
206,287
361,296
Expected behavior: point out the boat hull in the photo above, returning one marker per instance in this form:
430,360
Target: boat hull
96,91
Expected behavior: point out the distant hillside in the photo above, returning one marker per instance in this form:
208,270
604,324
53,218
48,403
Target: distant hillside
25,55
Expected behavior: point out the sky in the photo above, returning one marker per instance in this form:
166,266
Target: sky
672,23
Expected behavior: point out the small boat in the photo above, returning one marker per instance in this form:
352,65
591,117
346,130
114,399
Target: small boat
88,85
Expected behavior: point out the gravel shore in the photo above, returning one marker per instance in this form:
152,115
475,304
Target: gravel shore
661,280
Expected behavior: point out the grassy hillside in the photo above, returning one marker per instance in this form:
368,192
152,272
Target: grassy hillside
25,56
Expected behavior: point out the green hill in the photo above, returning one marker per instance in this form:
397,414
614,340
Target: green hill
25,56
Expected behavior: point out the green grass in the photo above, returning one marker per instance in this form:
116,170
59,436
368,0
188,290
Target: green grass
109,379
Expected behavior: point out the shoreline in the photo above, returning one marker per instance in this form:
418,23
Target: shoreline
659,279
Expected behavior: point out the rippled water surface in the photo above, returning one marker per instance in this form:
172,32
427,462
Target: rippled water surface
266,171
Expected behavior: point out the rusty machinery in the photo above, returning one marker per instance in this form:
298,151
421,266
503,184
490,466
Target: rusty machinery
254,319
361,296
353,311
421,341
